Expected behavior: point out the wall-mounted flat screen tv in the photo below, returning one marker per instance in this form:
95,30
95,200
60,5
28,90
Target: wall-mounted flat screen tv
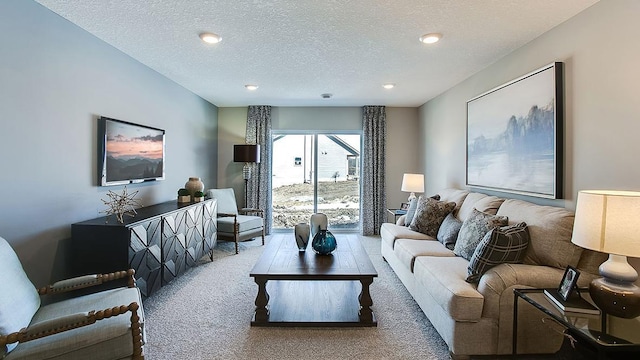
129,153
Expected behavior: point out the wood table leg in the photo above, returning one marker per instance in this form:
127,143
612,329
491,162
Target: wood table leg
366,314
262,299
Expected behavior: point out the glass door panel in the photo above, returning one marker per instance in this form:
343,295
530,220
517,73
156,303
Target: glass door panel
316,173
338,194
293,188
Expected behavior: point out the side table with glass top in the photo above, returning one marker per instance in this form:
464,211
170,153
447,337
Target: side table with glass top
604,333
396,213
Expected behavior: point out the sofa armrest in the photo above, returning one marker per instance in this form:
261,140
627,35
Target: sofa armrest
503,277
86,281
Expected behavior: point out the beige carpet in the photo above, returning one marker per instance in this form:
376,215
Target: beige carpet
205,314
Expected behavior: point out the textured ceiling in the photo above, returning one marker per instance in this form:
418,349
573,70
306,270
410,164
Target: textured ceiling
296,50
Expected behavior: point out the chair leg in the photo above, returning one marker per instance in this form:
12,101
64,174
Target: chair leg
263,235
235,237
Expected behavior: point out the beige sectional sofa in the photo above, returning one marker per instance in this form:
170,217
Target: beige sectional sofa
476,319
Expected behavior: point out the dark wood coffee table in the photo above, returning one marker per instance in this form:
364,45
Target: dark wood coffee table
306,289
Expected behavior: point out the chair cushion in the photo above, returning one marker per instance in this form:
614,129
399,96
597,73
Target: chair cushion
19,299
226,200
245,223
106,339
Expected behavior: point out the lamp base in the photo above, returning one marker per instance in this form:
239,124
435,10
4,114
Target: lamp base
617,298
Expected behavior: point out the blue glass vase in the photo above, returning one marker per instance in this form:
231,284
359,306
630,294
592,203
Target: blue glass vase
324,243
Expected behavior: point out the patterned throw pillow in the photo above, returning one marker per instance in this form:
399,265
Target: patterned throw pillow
429,215
503,245
411,211
448,232
473,229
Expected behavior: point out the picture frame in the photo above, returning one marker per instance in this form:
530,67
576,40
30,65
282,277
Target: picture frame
568,283
404,206
515,135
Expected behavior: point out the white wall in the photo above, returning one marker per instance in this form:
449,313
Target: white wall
599,48
402,139
55,80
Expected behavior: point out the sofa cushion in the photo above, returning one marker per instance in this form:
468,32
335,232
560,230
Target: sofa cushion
454,195
448,232
501,245
444,277
550,229
406,250
473,229
411,211
481,202
429,215
391,232
19,299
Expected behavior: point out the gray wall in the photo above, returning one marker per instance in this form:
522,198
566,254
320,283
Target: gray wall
401,139
55,80
601,54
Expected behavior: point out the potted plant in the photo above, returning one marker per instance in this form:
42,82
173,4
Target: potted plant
184,196
198,196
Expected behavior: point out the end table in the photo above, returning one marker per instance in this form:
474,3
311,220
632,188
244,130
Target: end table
610,336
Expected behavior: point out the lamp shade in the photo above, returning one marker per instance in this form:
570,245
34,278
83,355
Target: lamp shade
413,183
246,153
608,221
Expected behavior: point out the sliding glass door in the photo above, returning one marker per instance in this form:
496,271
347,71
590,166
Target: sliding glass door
314,172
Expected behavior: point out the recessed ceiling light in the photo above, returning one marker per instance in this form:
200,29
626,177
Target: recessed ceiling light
326,96
389,86
210,38
251,87
430,38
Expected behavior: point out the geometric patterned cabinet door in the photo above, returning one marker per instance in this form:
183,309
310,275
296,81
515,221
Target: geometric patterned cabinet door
210,227
145,256
160,243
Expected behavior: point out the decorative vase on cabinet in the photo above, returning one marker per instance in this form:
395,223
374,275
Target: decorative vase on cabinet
324,243
194,184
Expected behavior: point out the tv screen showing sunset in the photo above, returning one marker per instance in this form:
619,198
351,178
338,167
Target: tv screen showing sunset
133,152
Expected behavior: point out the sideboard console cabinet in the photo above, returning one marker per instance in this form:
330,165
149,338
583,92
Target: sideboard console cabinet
160,243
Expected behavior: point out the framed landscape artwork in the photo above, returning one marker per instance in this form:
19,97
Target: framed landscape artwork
514,135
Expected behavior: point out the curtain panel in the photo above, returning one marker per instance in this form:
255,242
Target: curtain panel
374,126
259,185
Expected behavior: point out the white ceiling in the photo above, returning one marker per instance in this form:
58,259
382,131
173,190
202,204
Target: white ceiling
296,50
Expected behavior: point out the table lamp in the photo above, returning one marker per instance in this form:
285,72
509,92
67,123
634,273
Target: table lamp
609,222
248,154
412,183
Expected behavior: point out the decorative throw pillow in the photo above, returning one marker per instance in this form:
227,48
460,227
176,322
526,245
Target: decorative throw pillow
429,215
502,245
448,232
473,229
411,211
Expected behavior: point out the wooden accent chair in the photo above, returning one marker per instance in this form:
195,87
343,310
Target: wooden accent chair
236,224
105,325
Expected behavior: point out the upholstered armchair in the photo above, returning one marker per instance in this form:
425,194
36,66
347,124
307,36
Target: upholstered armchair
105,325
236,224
